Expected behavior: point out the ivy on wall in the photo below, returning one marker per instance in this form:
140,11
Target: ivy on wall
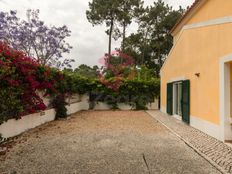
137,93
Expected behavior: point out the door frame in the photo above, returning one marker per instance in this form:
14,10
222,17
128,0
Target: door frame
225,110
179,117
176,80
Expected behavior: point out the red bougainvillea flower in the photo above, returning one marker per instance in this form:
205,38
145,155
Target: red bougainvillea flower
22,74
13,83
41,106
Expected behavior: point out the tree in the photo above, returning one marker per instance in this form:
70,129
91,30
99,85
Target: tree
87,71
152,42
128,10
45,44
133,47
113,14
105,11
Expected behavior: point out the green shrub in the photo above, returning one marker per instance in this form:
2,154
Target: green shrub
137,93
59,105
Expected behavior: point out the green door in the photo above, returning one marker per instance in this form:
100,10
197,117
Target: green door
185,103
169,98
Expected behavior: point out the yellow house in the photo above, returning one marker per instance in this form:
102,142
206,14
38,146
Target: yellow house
196,76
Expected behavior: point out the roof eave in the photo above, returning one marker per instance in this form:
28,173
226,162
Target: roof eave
187,16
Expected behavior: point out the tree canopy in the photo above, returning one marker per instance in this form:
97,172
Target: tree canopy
87,71
44,43
105,11
152,41
114,14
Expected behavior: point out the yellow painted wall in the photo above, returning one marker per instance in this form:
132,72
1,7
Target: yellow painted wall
211,10
231,89
175,38
199,51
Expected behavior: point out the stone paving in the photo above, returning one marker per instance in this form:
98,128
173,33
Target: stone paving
216,152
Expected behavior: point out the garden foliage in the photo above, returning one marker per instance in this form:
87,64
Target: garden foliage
23,79
46,44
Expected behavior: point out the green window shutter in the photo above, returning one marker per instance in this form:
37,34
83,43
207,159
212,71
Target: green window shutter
185,103
169,98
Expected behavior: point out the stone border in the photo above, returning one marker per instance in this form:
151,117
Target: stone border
215,152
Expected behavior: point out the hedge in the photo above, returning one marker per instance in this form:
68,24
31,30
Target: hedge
22,78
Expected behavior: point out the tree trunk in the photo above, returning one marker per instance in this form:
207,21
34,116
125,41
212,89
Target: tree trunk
124,36
159,54
110,35
123,39
144,48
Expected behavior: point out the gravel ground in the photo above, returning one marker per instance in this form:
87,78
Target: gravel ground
102,142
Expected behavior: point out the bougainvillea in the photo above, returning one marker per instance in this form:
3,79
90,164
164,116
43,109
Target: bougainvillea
119,82
117,66
21,79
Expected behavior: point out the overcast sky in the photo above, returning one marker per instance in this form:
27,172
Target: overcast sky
89,43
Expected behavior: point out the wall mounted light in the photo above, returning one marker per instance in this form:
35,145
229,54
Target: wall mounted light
197,74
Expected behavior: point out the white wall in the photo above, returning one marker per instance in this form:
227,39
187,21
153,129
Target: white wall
14,127
154,105
122,106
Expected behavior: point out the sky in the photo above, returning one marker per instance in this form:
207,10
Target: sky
89,43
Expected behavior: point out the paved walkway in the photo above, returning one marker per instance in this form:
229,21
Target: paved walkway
216,152
107,142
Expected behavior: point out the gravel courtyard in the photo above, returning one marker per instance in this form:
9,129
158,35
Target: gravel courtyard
102,142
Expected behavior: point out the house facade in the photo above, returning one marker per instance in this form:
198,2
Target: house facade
196,78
